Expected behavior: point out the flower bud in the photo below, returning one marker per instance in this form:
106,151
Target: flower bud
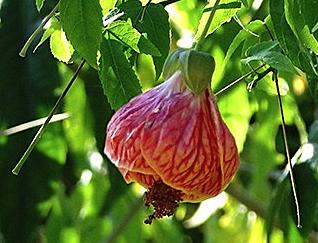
196,68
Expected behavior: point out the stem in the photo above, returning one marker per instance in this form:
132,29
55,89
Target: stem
207,26
41,130
37,31
244,197
237,81
167,2
287,150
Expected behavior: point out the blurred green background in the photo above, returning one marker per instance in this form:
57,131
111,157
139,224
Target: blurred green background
69,192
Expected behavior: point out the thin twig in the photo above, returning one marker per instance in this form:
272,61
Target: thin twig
32,124
168,2
37,31
38,135
207,26
237,81
287,149
144,11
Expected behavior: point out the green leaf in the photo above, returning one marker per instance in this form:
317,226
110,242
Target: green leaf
39,4
255,26
221,16
262,48
53,25
126,33
119,80
267,52
309,12
60,47
296,20
82,23
152,20
287,40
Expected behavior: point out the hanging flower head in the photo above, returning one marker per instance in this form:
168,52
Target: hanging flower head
172,139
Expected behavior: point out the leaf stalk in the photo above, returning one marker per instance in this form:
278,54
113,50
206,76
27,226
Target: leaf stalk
27,44
207,26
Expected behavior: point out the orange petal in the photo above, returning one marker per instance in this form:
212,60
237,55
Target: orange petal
188,145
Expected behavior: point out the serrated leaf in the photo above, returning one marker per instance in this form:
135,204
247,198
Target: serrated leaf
284,34
60,47
296,20
262,48
126,33
82,23
119,80
39,4
152,20
241,37
53,25
267,52
291,45
221,16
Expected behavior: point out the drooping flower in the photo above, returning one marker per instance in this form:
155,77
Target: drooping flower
172,139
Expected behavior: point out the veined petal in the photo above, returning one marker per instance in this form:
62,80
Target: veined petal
122,144
188,145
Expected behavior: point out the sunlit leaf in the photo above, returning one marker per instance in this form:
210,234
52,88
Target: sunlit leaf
60,46
153,20
295,18
53,25
119,81
221,16
125,32
39,4
82,23
255,26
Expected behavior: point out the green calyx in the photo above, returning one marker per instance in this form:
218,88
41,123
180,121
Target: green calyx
196,68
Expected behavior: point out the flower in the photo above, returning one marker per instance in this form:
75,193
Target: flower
172,139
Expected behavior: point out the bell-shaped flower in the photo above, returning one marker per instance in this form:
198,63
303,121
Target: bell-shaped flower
172,139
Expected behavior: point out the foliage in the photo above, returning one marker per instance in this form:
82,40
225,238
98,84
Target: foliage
69,191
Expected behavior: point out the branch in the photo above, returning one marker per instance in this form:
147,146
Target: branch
237,81
244,197
41,130
207,26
